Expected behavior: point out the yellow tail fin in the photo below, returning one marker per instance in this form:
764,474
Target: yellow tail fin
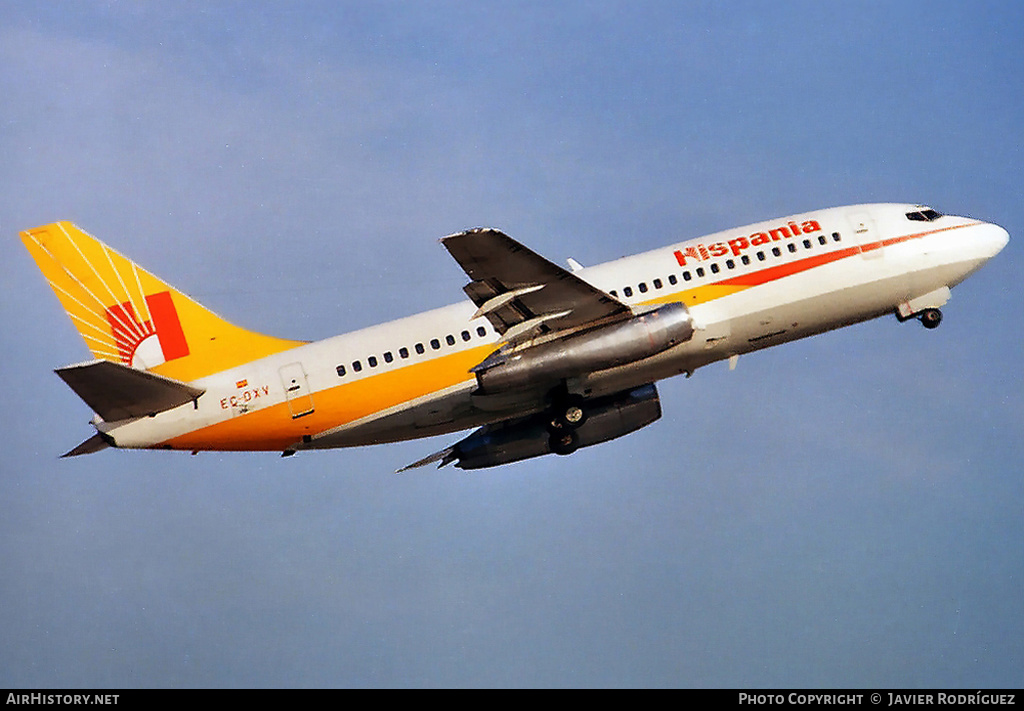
127,315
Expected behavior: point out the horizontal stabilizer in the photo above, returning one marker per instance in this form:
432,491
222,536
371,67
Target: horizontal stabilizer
89,446
119,392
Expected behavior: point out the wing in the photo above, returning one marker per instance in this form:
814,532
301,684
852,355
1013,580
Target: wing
523,294
531,436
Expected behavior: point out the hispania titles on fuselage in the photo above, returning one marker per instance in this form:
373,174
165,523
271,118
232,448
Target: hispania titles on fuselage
700,252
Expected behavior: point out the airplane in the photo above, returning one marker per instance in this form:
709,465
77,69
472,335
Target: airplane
540,359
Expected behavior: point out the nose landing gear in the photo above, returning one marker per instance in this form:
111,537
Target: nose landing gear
924,308
931,318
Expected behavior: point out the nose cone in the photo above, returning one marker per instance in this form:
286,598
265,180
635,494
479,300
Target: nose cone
993,238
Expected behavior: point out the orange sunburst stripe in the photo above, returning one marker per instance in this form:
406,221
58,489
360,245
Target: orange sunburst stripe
784,270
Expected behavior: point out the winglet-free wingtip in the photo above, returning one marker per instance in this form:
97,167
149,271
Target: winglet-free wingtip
445,456
471,231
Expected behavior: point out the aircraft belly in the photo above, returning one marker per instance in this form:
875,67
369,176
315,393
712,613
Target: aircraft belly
940,273
450,412
759,318
839,307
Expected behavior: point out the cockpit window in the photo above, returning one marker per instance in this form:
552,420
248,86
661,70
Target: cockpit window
925,214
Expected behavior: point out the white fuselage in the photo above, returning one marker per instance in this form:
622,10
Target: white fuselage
746,288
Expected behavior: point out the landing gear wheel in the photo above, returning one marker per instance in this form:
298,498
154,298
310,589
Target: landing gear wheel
565,442
567,413
931,318
574,415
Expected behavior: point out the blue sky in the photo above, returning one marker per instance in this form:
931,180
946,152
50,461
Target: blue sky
844,511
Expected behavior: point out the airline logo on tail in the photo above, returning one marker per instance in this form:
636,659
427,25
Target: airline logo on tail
127,315
145,344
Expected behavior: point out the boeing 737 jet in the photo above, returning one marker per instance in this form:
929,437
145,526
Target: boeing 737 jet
540,359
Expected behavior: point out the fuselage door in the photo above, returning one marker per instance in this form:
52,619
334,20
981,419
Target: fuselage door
866,235
296,389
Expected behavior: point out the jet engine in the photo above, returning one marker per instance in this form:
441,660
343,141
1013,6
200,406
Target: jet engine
608,417
604,347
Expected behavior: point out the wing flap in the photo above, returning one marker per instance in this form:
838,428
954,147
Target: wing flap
119,392
513,285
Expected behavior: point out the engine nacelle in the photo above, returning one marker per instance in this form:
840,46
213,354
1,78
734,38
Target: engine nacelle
607,418
599,349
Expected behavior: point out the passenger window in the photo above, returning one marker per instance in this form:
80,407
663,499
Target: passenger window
420,348
822,240
714,267
686,276
730,264
449,339
388,357
435,344
643,288
792,248
372,360
357,366
657,283
700,271
341,371
613,293
776,251
835,237
627,291
481,331
403,352
745,259
465,335
807,244
672,279
760,256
